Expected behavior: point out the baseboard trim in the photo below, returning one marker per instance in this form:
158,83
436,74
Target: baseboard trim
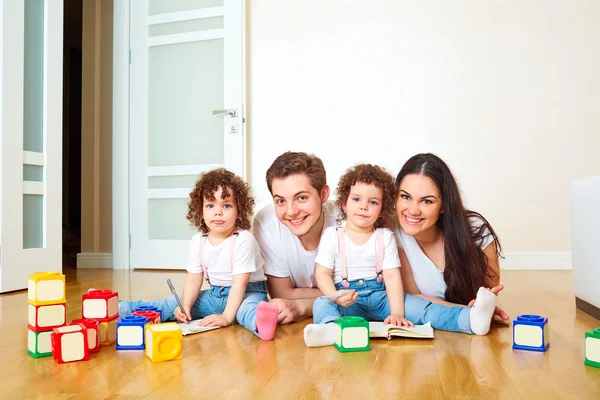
94,260
536,261
587,308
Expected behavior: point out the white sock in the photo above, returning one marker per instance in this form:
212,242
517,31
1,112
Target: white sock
317,335
482,311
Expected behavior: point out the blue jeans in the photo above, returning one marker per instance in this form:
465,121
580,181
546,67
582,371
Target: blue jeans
376,307
211,301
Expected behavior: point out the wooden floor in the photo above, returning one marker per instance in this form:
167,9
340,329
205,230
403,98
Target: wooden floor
231,363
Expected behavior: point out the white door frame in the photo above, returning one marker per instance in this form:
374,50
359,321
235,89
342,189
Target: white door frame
17,263
121,129
120,136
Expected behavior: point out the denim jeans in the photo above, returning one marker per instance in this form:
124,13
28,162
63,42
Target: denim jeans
211,301
376,307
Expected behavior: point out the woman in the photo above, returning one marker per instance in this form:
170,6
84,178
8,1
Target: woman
447,252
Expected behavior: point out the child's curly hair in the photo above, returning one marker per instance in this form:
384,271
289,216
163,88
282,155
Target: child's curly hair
369,174
208,184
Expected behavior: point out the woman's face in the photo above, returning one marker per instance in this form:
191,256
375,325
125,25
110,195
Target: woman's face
418,205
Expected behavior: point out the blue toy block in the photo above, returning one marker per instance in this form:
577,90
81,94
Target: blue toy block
530,332
131,332
149,308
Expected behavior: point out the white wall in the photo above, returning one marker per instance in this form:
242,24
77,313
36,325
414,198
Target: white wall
507,93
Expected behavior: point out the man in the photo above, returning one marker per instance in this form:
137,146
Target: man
289,230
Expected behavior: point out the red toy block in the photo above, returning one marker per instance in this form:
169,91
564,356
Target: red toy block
92,330
70,343
152,315
46,317
102,305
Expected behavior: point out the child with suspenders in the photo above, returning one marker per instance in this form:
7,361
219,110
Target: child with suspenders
224,254
358,261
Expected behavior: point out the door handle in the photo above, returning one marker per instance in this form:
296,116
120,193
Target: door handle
232,112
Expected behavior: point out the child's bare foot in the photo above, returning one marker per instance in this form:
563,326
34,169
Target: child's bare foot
266,320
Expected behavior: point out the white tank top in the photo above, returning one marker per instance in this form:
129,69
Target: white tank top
429,279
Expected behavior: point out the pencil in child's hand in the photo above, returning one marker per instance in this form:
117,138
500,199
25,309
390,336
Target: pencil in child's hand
335,296
178,301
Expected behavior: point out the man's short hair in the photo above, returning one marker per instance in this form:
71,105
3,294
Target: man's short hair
293,163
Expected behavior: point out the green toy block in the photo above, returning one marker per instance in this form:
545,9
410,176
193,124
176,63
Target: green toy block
352,334
592,348
38,344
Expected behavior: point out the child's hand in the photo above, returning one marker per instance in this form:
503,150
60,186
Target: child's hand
398,321
348,299
182,316
215,320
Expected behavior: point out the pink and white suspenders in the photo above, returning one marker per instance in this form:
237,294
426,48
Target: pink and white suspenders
342,252
203,240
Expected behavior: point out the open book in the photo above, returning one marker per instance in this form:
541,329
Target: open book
192,327
380,330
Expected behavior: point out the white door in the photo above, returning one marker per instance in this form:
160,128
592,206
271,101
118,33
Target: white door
186,110
31,139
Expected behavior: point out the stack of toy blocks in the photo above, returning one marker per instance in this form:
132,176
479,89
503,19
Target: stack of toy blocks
592,348
103,306
352,334
70,343
131,332
164,342
530,332
46,298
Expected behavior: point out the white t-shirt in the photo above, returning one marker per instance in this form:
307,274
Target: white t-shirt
428,278
246,258
361,260
283,252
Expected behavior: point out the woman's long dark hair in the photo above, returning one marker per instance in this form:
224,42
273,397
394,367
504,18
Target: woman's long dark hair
466,264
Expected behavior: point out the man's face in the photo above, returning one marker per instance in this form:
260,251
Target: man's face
297,202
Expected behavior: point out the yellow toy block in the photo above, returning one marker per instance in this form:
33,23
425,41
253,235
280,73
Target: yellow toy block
46,288
107,332
163,342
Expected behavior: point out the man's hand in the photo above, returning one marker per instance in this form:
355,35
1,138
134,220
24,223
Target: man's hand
182,316
286,313
348,299
215,320
397,320
499,314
